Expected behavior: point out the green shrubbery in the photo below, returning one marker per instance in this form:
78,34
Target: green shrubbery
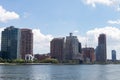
18,61
49,60
13,61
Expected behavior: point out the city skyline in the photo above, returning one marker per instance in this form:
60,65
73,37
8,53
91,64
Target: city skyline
49,19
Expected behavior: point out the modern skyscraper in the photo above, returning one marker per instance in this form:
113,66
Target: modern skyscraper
57,48
10,45
113,55
71,47
26,42
101,54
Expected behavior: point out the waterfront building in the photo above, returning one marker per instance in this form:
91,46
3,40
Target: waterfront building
40,57
88,54
57,49
101,54
26,42
72,47
10,43
113,55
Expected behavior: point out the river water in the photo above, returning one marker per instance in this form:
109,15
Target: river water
60,72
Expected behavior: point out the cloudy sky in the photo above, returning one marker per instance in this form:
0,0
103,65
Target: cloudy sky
56,18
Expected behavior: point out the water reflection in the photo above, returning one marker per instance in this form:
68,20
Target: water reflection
16,72
67,72
60,72
85,72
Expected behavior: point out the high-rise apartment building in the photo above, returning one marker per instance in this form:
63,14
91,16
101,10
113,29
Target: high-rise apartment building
57,49
72,47
26,42
10,43
88,54
101,53
113,55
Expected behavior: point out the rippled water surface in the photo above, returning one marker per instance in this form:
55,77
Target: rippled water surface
60,72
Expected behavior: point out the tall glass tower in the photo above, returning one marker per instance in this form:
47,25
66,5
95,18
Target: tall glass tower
101,52
113,55
10,43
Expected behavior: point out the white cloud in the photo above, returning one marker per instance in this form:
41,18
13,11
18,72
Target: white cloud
41,42
112,32
7,15
114,21
94,2
114,3
1,29
113,38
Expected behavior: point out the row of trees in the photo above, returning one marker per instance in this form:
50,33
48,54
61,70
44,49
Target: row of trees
47,60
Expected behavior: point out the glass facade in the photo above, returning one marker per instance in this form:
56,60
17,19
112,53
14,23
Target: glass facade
10,42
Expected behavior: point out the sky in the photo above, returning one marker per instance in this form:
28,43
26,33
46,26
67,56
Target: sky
86,19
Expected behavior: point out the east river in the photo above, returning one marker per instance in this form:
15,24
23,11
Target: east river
60,72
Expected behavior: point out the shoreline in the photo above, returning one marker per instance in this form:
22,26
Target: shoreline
25,63
55,64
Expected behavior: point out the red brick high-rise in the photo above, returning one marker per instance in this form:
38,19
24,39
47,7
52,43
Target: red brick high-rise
57,48
88,54
26,42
